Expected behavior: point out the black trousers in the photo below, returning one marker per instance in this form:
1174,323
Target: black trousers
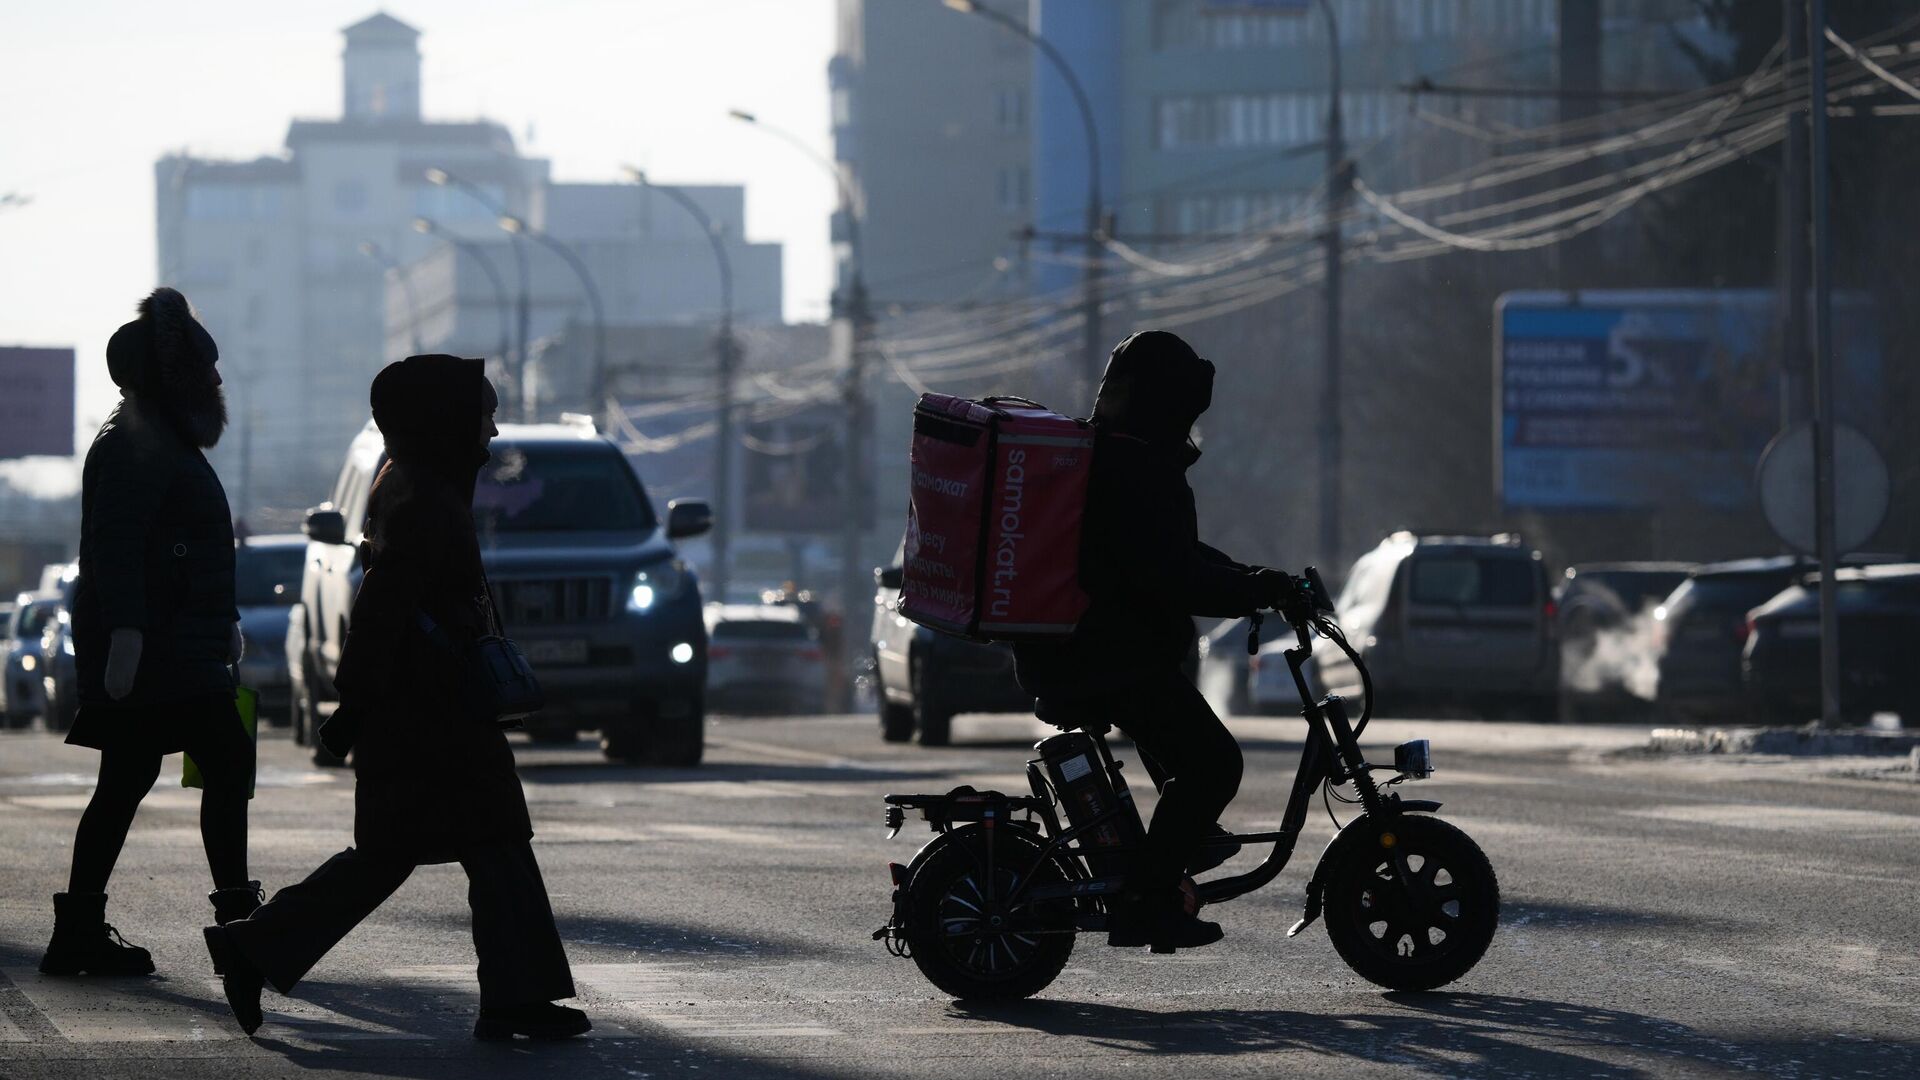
521,959
1192,758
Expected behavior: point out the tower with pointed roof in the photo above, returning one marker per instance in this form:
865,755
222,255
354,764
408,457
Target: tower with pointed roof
381,65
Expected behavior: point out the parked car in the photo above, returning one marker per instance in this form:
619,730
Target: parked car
1226,669
59,677
585,576
764,658
1879,618
1608,664
924,678
266,583
1701,630
21,690
1441,621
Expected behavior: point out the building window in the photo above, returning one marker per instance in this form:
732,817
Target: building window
1238,121
1220,212
350,196
232,202
1010,110
1012,189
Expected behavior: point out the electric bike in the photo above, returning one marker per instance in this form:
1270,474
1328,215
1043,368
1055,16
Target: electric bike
990,907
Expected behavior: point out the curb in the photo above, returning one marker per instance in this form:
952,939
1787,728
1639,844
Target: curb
1790,741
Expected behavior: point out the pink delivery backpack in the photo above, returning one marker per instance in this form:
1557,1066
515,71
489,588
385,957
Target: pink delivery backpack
999,491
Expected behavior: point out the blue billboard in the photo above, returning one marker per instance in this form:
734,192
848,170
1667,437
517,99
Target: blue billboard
1623,400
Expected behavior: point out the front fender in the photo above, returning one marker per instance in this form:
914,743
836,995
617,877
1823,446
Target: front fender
1361,830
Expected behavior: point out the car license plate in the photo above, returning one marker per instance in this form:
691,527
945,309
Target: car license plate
1800,628
566,651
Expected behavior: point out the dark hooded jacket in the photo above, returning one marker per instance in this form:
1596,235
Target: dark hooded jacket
433,777
156,535
1142,563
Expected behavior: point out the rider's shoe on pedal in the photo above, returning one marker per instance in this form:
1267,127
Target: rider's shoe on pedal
1158,920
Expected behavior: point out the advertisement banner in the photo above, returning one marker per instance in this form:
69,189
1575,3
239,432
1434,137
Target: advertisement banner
1618,399
36,402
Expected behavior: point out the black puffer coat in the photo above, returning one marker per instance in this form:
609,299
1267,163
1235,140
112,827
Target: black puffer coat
1142,563
433,777
156,535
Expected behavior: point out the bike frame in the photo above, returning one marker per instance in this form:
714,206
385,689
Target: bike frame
1332,752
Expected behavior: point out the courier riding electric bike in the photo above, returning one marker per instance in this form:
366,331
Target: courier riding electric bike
989,908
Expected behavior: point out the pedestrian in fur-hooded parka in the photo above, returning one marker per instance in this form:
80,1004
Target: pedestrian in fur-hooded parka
156,533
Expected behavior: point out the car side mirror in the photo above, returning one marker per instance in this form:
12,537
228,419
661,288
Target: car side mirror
889,577
326,526
688,517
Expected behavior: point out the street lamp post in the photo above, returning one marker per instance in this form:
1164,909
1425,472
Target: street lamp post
524,305
726,365
429,227
598,391
1823,388
1091,300
854,582
1339,186
387,262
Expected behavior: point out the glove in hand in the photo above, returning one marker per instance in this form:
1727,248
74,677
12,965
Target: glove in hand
340,731
236,646
123,662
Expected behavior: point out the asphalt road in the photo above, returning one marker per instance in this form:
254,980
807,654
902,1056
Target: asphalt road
1661,918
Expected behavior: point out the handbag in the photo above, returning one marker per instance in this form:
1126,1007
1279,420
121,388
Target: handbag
498,682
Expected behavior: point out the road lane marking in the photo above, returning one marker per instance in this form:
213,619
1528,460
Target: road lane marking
1778,818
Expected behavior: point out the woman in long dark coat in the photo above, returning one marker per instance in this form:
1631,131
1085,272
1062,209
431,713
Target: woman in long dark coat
435,782
154,628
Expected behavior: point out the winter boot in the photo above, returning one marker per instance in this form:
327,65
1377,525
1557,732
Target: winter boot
232,905
1159,922
238,977
541,1020
84,942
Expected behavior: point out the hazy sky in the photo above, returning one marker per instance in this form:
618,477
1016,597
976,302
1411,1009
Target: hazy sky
95,90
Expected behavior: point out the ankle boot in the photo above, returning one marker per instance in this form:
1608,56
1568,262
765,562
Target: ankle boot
541,1020
1157,920
239,979
232,905
84,942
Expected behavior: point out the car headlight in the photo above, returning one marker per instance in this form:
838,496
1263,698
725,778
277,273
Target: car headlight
656,584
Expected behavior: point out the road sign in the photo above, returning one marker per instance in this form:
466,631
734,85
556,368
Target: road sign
1861,488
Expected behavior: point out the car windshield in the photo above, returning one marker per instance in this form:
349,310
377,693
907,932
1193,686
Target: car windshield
1463,580
560,489
33,619
268,576
1732,592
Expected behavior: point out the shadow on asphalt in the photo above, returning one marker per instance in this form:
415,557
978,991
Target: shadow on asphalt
588,772
1452,1035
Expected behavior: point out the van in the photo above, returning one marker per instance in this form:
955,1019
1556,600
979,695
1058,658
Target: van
1442,621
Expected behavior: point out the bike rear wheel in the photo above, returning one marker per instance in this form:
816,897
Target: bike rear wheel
966,940
1416,938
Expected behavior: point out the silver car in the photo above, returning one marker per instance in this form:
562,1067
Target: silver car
23,694
764,658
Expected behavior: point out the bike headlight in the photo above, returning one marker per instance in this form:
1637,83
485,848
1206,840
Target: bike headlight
66,644
656,585
27,662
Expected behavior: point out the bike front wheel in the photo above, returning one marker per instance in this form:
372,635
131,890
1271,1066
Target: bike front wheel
1412,906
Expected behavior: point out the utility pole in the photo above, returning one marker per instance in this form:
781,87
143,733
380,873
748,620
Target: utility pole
1339,187
1823,479
856,585
1580,76
1793,230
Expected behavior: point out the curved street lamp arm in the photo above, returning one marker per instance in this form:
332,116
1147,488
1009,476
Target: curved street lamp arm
714,240
1080,100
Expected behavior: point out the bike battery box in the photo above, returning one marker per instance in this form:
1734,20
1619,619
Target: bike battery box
998,495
